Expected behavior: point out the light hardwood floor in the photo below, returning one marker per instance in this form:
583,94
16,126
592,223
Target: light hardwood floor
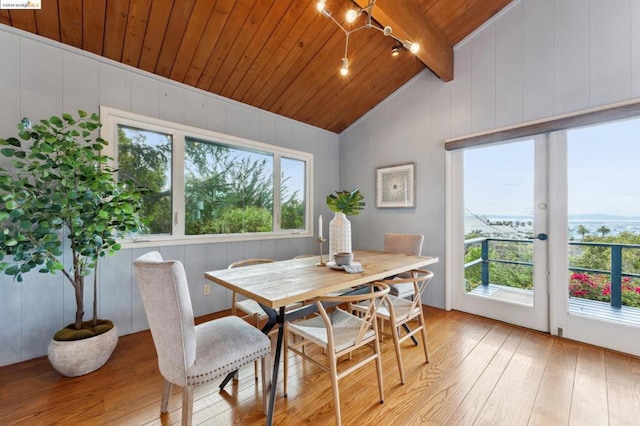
481,372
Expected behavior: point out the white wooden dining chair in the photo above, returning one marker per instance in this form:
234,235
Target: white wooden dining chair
189,354
338,333
398,312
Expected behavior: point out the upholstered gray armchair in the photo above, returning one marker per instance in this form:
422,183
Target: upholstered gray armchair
189,354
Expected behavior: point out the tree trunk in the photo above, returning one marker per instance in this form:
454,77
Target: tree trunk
78,284
95,295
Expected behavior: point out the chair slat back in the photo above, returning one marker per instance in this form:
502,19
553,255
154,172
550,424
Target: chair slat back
377,291
420,279
249,262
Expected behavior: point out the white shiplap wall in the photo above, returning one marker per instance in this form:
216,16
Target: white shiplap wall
535,59
39,78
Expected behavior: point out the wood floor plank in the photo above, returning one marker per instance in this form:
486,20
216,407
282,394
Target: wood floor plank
589,400
553,402
480,372
623,388
468,410
514,395
453,387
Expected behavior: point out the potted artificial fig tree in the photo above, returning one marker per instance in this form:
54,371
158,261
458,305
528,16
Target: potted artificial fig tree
59,195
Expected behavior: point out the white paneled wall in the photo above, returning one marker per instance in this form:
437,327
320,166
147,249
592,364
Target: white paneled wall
39,78
535,59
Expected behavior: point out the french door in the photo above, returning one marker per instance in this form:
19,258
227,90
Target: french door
524,244
498,201
595,203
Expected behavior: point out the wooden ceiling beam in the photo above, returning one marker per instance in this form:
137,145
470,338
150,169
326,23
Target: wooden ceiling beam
409,23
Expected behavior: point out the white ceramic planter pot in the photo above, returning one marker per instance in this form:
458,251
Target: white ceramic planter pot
339,235
80,357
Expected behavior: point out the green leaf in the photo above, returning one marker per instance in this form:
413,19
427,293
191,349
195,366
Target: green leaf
17,164
11,204
8,152
56,121
12,270
68,118
17,213
82,114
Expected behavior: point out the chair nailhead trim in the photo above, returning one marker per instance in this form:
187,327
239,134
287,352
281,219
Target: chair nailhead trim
228,368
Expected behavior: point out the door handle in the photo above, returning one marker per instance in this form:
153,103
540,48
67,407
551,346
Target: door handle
541,237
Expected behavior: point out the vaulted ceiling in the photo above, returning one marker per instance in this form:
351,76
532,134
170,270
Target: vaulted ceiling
282,56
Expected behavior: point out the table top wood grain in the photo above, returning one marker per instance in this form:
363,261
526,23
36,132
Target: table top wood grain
289,281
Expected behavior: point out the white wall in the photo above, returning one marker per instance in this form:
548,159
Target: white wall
535,59
39,78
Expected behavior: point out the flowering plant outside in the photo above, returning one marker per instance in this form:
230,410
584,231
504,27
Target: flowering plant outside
598,287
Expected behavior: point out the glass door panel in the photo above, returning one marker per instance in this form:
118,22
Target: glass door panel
604,221
504,207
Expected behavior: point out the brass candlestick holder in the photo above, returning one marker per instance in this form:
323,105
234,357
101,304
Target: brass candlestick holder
321,240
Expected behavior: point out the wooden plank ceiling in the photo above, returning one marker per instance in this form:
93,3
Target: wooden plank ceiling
282,56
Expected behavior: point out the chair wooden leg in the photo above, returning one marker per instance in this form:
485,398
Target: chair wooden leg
166,394
333,372
376,348
266,381
187,405
424,337
396,344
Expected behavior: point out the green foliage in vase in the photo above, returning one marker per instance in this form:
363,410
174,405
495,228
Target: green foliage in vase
60,188
348,202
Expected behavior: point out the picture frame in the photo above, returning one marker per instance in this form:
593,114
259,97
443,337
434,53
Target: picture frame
395,186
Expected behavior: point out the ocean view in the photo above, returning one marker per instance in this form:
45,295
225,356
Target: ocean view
522,226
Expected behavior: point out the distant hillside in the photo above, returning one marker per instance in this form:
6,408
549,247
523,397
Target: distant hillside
602,217
599,217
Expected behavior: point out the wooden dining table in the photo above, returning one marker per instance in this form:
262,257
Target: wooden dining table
278,284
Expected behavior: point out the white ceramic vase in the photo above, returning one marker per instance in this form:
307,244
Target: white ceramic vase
339,235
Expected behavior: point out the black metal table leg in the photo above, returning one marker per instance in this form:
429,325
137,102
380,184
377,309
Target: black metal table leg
276,365
271,322
408,330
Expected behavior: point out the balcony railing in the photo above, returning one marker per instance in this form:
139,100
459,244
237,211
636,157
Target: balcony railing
615,272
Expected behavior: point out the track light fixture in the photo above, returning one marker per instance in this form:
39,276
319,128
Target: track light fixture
350,17
395,50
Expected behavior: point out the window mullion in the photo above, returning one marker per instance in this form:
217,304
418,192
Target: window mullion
277,177
177,203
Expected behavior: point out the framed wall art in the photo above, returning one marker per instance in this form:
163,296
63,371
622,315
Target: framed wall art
395,186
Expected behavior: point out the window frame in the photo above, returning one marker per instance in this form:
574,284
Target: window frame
111,118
